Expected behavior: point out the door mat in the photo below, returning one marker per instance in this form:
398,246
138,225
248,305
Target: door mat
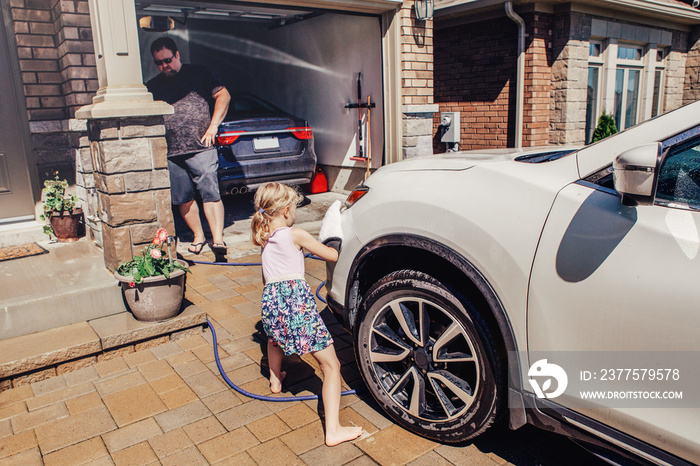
23,250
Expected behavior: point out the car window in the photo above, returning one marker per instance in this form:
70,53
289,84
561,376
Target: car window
245,105
679,176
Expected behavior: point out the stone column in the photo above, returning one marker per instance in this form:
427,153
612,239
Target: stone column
129,158
418,129
127,138
691,86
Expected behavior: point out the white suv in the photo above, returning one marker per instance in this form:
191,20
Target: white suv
463,275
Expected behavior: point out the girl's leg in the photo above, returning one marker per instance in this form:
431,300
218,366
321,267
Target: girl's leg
274,360
330,366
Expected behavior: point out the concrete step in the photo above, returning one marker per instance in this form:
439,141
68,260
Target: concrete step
40,355
14,234
68,285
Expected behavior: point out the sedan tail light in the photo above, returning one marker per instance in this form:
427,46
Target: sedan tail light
302,133
224,139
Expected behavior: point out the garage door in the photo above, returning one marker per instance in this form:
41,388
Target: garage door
306,61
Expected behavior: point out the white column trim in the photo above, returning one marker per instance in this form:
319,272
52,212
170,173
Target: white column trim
121,91
391,57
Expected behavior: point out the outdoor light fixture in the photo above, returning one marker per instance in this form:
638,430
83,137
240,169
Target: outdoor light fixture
156,23
424,9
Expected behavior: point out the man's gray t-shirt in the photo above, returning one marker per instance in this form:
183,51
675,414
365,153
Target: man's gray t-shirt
190,92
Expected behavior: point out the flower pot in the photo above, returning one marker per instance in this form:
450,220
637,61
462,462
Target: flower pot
66,225
156,298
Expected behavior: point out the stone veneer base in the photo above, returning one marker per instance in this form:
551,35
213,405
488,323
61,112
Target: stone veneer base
30,358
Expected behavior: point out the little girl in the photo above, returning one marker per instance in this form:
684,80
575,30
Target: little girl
289,314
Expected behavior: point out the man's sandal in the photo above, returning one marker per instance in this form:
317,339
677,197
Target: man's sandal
219,249
197,247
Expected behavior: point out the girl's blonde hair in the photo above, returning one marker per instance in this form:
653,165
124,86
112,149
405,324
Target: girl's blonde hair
269,199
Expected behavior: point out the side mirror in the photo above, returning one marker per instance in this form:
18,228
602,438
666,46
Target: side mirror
633,174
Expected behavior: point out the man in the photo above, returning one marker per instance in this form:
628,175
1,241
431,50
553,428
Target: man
190,133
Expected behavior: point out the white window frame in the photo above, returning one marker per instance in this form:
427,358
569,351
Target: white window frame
659,66
609,63
628,65
596,62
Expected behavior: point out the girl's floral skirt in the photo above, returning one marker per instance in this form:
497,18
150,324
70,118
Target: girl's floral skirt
290,318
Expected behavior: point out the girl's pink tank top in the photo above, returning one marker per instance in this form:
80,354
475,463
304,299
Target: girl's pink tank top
281,260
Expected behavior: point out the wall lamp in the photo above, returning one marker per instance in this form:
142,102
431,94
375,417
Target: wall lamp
156,23
424,9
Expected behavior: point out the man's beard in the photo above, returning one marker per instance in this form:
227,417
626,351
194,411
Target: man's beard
169,73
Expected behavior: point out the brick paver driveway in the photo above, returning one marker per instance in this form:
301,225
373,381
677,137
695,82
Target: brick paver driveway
167,404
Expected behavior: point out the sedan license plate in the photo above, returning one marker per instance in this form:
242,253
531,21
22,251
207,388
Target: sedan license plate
263,144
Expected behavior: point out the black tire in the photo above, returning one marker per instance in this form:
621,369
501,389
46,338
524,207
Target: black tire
443,380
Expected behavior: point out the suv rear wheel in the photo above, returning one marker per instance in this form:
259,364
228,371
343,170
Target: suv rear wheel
428,358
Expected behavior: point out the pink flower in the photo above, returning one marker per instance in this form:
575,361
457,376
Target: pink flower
162,235
155,253
132,285
156,240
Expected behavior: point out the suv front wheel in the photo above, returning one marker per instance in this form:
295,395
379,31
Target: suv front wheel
428,358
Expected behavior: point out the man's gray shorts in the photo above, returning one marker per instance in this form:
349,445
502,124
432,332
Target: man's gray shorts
190,172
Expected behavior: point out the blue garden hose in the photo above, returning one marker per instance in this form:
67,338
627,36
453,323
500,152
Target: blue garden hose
216,347
254,395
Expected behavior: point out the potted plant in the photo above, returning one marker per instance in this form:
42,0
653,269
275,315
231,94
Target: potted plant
61,214
153,285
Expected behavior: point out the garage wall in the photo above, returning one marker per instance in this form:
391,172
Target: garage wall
308,69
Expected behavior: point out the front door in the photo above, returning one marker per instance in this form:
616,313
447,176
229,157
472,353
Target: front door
16,198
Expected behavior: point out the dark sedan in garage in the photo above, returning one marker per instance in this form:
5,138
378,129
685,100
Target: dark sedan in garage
258,142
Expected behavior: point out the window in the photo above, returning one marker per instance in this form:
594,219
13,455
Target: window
627,85
595,65
626,80
679,177
659,73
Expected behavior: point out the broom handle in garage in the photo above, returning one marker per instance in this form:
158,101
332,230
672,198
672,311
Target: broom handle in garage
359,108
369,132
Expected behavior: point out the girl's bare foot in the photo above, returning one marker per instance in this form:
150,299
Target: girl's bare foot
275,383
343,434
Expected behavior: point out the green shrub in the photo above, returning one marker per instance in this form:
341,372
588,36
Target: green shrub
606,127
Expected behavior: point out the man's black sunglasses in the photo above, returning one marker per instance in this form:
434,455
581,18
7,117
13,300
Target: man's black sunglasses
164,60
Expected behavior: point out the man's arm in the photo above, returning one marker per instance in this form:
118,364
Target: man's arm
222,98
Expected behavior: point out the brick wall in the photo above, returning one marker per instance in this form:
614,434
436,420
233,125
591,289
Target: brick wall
475,65
416,57
35,35
76,53
56,58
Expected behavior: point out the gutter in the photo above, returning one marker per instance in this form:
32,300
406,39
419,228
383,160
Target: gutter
657,9
520,78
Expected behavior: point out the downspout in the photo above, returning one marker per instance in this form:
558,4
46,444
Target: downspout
520,78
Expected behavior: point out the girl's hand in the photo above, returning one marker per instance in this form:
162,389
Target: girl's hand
303,239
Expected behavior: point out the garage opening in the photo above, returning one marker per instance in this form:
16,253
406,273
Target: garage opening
304,61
